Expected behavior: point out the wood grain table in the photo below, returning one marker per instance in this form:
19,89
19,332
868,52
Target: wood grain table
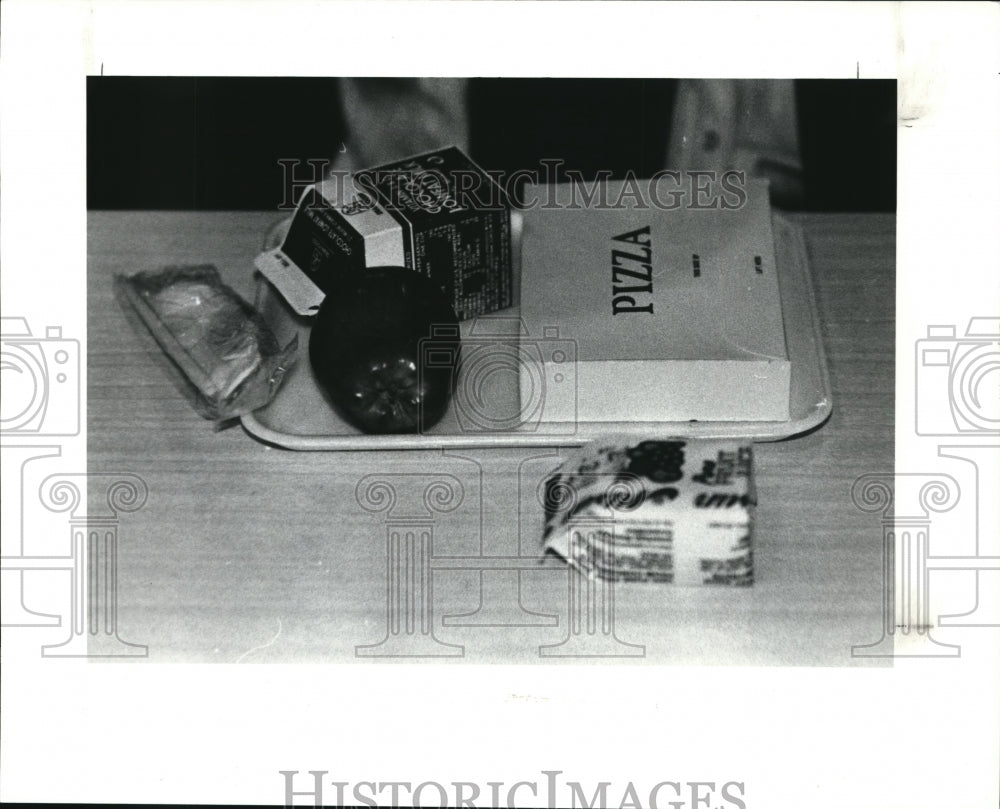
251,553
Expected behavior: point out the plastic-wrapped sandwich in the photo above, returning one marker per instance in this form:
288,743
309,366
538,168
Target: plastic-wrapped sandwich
219,351
662,510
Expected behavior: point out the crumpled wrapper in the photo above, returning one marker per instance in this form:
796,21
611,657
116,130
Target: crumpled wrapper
223,356
673,510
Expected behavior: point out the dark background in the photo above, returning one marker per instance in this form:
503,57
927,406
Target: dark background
214,143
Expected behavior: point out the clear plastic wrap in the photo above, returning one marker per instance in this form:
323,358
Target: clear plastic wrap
223,356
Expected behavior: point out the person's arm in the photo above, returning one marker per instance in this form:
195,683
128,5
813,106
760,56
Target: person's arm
390,119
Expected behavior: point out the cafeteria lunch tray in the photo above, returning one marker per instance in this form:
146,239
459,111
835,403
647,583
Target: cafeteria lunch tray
487,390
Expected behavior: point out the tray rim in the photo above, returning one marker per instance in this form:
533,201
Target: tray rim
763,431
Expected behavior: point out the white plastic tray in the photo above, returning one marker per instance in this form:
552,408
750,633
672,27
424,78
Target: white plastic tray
299,417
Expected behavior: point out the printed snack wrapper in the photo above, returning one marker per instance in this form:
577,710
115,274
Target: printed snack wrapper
223,356
677,511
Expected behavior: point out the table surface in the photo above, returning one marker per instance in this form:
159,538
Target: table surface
250,553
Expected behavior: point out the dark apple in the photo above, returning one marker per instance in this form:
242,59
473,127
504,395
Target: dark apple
366,346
